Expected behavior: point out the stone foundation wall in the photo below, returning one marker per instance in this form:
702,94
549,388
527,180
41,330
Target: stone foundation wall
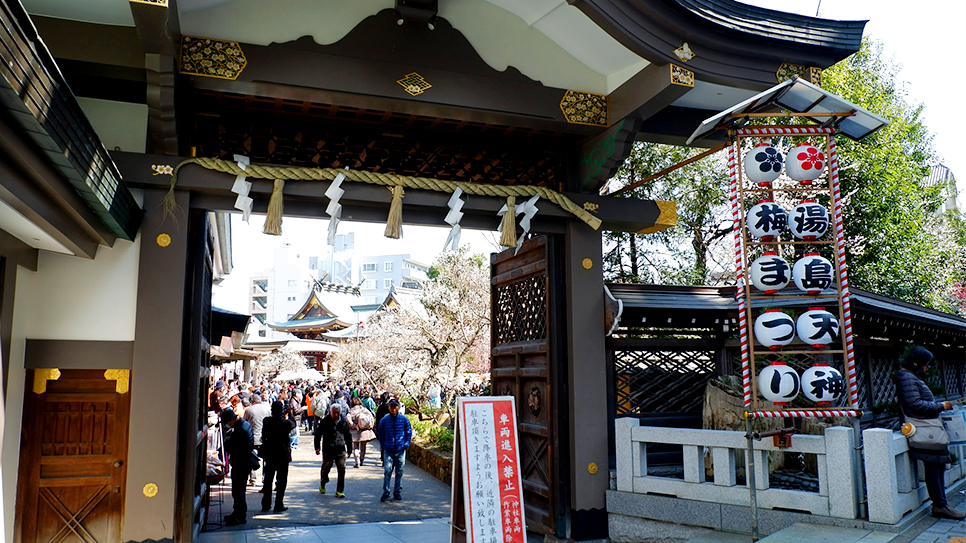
437,464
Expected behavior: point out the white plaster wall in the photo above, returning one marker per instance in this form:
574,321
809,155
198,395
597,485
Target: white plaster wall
120,125
66,298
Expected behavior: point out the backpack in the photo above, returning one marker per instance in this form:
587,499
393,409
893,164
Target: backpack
364,420
319,404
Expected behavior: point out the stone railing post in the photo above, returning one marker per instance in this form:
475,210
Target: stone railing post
624,449
880,476
840,472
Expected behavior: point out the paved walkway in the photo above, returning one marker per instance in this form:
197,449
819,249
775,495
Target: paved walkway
424,497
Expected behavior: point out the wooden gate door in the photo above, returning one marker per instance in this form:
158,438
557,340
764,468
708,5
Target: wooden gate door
73,455
523,326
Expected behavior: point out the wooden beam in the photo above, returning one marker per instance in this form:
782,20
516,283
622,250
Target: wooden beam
670,169
159,30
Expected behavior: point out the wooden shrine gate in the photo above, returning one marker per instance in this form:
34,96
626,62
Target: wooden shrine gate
525,296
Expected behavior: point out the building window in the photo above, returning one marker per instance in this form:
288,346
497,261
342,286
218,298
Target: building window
387,266
291,298
369,284
293,283
261,333
368,267
387,283
369,299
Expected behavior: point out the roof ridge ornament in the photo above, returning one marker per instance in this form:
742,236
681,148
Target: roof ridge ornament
684,52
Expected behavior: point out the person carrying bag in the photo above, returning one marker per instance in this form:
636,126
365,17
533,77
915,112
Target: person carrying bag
929,442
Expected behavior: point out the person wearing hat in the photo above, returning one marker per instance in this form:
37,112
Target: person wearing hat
334,441
216,395
239,445
915,400
277,454
395,434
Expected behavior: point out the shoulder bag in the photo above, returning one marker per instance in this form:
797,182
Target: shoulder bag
930,434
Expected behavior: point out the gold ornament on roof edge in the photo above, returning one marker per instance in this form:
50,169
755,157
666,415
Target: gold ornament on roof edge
684,52
211,58
414,84
787,70
584,108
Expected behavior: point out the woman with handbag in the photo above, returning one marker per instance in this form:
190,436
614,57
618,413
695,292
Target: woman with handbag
917,402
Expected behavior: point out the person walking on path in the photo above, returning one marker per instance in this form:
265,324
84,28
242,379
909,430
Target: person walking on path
395,434
381,412
239,445
277,454
336,443
360,422
915,400
254,415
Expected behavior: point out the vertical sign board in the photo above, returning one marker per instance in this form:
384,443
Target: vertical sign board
488,469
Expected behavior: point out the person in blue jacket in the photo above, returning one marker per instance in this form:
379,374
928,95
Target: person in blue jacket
916,400
395,434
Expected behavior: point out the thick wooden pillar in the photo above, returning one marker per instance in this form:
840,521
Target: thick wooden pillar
588,381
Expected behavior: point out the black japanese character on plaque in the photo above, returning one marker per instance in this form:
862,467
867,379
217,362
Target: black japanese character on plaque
776,383
813,220
827,381
771,217
774,271
818,274
826,325
780,323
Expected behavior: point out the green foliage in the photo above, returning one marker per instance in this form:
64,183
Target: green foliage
897,243
685,253
444,439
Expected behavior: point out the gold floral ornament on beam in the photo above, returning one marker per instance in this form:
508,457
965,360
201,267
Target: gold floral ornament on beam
211,58
584,108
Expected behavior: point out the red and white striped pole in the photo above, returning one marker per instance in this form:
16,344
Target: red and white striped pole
833,170
739,275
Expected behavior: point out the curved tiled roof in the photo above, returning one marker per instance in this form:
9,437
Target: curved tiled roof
776,25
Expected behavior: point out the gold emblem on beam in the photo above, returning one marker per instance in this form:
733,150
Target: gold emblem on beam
414,84
815,76
787,70
684,52
211,58
666,219
584,108
162,3
41,376
122,377
681,76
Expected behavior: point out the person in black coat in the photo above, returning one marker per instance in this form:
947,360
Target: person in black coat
333,440
239,445
381,412
916,400
277,454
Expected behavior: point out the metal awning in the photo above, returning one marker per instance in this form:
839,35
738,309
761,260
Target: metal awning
797,96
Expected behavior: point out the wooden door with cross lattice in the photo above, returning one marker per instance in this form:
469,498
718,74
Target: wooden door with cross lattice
73,458
521,366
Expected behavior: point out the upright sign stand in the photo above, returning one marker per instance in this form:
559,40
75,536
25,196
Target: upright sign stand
825,382
487,486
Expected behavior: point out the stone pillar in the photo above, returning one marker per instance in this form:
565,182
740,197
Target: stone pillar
247,365
587,380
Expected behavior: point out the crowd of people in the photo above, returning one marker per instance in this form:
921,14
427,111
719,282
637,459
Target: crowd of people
262,423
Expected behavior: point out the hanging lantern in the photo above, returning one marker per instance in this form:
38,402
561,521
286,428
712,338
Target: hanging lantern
774,329
763,164
766,220
812,273
808,220
804,163
770,273
778,383
823,384
817,327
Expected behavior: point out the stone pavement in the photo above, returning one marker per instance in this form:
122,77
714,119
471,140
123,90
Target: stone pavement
424,497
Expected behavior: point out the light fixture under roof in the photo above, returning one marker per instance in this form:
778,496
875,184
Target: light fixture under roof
798,96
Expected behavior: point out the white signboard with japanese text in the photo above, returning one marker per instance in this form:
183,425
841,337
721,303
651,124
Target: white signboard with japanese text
490,470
